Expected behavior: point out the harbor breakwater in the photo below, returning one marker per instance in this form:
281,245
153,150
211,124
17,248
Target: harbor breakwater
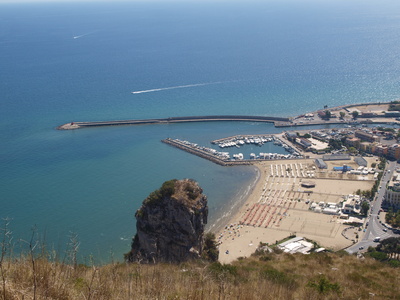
77,125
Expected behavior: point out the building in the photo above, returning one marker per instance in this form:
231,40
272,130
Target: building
296,245
352,204
336,157
353,142
343,169
368,114
320,163
365,136
366,147
291,136
392,114
394,151
380,150
308,184
360,161
392,193
304,142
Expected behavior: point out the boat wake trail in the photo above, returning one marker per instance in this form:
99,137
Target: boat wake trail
176,87
82,35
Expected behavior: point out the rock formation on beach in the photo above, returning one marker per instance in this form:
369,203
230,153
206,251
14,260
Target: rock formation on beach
170,224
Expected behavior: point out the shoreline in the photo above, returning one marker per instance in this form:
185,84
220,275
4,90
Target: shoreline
236,203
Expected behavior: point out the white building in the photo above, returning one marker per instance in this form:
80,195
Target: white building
296,245
352,204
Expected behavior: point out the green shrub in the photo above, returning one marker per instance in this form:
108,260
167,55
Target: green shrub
277,277
323,286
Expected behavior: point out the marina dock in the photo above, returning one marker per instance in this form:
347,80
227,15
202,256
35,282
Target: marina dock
203,152
224,158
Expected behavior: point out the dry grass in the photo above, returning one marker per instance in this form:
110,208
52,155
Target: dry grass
272,276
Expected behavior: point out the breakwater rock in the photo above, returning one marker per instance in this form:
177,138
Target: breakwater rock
170,224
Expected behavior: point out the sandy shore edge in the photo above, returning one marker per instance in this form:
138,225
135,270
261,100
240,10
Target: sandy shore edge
238,202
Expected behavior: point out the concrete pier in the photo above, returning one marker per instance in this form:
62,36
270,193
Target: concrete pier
204,154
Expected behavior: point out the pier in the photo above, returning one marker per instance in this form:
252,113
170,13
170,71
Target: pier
203,152
223,158
237,118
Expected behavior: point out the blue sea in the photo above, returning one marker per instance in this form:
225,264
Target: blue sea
63,62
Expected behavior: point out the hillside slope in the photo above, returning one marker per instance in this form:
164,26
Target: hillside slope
270,276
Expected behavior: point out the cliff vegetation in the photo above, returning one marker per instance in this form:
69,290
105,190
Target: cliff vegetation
170,224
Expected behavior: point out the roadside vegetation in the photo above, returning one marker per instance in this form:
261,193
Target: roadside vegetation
393,218
388,252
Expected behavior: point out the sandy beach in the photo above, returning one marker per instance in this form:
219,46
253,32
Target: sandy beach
278,206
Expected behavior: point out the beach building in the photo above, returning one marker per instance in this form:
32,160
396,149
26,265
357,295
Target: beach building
320,163
336,157
331,211
308,184
296,245
343,168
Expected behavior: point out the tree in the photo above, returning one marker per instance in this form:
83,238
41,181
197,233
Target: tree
355,114
364,208
335,144
393,218
323,285
210,249
389,246
342,114
328,114
352,150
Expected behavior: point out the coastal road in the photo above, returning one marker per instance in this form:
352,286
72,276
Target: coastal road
373,226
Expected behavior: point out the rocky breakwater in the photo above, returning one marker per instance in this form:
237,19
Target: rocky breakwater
170,224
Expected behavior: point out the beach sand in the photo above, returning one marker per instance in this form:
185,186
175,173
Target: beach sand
278,206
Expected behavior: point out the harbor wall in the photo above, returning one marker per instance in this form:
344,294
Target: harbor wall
175,120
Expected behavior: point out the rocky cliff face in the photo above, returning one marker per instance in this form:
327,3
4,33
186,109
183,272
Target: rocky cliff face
170,224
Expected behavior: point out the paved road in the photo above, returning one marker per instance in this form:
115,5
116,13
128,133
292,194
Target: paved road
373,227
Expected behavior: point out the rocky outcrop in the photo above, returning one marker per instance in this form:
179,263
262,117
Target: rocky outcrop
170,224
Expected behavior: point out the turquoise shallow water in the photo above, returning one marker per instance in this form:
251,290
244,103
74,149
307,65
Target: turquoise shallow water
259,58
